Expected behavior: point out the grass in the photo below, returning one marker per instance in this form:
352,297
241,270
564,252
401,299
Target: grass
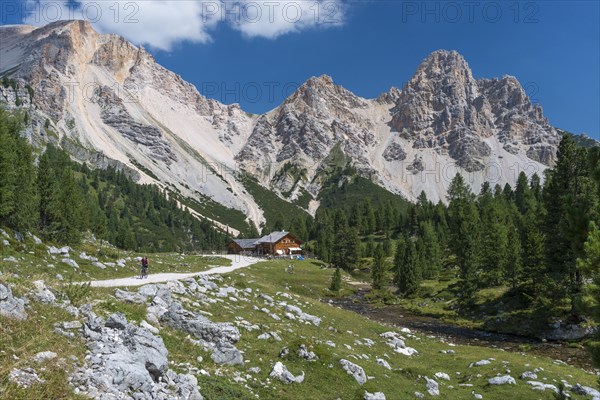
324,378
303,199
309,283
35,263
269,202
209,208
21,340
344,188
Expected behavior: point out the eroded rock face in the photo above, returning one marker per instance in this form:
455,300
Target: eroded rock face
87,91
115,114
305,128
10,306
394,152
126,359
444,107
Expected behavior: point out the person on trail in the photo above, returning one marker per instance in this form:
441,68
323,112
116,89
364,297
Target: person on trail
144,267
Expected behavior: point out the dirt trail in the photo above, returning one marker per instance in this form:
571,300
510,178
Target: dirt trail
237,262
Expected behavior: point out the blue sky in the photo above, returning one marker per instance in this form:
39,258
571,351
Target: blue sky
552,47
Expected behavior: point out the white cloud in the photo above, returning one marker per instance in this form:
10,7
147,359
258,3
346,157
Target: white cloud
164,23
270,19
160,24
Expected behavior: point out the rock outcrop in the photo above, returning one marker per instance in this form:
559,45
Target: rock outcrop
128,362
10,306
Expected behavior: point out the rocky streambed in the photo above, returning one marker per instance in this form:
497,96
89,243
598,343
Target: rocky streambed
398,316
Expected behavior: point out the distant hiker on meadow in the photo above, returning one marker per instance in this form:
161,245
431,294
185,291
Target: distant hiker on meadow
144,268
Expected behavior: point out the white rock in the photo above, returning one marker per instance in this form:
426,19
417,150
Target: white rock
356,371
542,386
480,363
528,375
44,356
374,396
432,387
442,375
281,373
24,378
383,363
98,264
149,327
408,351
585,390
70,262
502,380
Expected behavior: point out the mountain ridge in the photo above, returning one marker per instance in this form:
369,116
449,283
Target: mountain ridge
112,97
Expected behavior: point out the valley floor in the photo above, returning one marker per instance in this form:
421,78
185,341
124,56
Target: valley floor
280,317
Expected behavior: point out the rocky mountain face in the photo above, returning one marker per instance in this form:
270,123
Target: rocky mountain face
443,107
107,102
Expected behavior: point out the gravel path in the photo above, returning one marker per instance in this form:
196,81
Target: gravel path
237,262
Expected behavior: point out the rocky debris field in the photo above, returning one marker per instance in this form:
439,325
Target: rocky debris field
253,333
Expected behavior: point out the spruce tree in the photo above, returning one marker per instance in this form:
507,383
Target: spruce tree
336,280
513,266
533,274
408,274
8,161
430,251
378,269
569,203
399,257
589,265
524,198
464,238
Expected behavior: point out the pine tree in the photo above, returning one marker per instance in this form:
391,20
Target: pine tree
430,252
369,222
279,222
589,265
513,266
18,191
467,282
399,257
336,280
407,271
536,187
524,198
378,270
569,202
493,239
533,276
8,160
464,239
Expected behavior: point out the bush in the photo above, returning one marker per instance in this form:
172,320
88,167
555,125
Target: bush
336,281
76,293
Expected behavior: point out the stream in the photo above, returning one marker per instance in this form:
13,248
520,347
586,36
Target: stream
397,316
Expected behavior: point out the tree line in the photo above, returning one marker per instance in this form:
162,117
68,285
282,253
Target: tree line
61,200
540,239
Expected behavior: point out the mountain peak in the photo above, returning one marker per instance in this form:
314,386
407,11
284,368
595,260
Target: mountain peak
322,81
444,63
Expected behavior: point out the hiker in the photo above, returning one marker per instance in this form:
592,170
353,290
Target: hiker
144,268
